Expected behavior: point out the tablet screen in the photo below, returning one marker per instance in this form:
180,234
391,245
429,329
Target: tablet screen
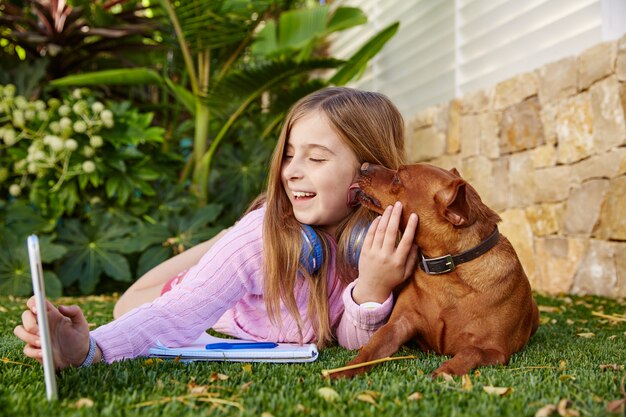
36,271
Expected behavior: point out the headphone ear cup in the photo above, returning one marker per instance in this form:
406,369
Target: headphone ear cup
355,242
311,254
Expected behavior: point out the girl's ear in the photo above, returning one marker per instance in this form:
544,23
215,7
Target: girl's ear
452,203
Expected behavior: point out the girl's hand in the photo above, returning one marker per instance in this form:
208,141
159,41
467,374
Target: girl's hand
382,265
69,334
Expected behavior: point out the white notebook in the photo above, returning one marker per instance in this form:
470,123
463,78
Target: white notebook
197,351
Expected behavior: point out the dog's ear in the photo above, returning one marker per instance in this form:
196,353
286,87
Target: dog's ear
455,172
453,205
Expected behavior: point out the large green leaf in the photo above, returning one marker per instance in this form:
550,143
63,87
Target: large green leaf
357,62
152,257
15,276
184,96
94,249
299,27
130,76
345,18
299,31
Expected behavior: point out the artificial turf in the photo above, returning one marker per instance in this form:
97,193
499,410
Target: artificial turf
576,359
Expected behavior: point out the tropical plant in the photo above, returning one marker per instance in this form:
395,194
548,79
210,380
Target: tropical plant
223,80
14,264
74,150
51,39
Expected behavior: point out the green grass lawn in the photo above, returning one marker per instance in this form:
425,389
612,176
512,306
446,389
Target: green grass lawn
575,356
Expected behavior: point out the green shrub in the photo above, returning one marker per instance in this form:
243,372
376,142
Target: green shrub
92,179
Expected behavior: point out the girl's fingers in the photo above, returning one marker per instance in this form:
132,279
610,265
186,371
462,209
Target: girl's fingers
33,352
411,262
371,232
393,226
29,338
379,237
29,321
404,247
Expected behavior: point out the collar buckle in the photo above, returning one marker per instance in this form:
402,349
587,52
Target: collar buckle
440,265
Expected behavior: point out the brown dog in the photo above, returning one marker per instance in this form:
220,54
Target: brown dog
476,304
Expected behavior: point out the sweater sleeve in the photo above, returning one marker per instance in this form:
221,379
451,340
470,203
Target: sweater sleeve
228,271
358,323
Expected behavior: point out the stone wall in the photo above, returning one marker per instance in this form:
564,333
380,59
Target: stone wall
547,151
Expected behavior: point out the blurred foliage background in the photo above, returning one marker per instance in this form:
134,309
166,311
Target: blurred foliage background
132,130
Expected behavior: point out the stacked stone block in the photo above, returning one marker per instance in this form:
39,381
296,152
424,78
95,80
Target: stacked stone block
547,151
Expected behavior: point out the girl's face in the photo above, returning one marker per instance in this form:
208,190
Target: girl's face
317,171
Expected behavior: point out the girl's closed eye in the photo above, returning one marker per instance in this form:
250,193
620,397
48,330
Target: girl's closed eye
317,159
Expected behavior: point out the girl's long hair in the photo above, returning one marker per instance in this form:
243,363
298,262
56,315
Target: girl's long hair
371,125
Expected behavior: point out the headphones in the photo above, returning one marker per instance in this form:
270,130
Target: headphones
311,255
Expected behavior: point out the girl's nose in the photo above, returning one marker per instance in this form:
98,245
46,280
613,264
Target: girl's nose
291,170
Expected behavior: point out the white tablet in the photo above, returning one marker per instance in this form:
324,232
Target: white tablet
36,271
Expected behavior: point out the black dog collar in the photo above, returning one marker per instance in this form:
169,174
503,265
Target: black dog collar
447,263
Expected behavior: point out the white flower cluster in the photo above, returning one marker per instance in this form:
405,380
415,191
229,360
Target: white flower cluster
59,137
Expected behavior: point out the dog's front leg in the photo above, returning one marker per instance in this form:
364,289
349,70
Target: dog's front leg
384,342
469,358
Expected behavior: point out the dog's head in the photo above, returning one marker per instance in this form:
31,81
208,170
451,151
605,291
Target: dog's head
442,199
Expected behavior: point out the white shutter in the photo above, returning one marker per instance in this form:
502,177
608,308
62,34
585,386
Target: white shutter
416,67
499,39
447,48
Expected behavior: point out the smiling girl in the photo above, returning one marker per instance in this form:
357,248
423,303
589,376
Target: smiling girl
252,283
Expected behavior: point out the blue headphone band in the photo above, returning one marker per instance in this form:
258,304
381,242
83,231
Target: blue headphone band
355,242
311,255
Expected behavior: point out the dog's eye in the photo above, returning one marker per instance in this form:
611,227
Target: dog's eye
396,180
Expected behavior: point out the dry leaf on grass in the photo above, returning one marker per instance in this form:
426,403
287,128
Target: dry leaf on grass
566,377
193,388
152,361
247,368
616,406
564,410
548,309
215,376
611,317
546,411
467,382
446,377
7,360
612,367
328,394
84,402
586,335
501,391
416,396
328,372
367,397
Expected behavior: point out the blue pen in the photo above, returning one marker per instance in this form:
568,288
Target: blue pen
246,345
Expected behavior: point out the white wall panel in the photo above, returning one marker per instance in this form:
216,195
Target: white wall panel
447,48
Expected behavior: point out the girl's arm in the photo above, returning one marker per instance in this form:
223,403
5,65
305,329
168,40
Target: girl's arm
148,287
360,321
383,265
231,269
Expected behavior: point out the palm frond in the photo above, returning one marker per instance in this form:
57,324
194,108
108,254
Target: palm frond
240,85
211,24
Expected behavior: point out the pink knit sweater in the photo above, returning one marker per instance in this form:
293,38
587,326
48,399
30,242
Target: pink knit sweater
224,291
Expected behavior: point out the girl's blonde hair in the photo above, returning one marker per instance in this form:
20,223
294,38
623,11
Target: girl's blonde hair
371,125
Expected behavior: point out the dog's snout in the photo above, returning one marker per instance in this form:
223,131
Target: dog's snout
365,167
